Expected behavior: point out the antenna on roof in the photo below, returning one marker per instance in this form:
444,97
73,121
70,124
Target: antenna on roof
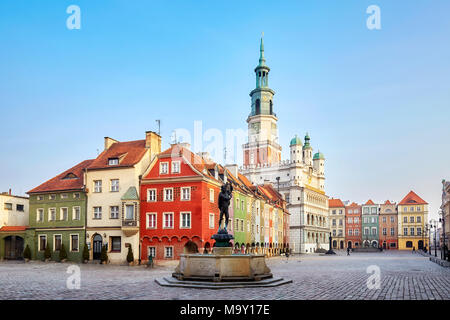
159,126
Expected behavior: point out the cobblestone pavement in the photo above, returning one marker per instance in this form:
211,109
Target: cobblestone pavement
403,276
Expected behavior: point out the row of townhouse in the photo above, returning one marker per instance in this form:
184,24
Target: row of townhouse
388,225
158,203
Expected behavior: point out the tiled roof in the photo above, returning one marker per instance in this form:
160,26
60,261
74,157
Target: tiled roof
129,153
12,228
72,179
369,202
388,202
412,198
195,160
354,205
335,203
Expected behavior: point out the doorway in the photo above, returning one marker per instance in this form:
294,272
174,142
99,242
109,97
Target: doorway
13,247
97,247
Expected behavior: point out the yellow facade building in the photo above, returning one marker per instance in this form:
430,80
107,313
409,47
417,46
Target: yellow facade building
412,217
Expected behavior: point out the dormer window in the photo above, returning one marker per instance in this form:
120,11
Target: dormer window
70,175
113,161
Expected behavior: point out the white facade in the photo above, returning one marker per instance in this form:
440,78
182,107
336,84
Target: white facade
14,210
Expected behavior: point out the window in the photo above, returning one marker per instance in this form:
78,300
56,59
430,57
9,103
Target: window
76,213
340,223
350,211
20,207
350,220
211,195
411,219
405,209
57,242
114,212
151,220
356,220
113,161
151,195
340,233
333,211
392,231
168,220
114,185
374,210
418,209
242,225
350,232
418,219
384,219
168,194
98,186
164,168
366,210
405,231
334,232
168,252
236,225
8,206
419,231
40,198
129,212
64,196
97,212
52,214
40,215
356,211
175,166
42,242
52,197
411,209
384,231
186,194
185,219
76,195
211,220
74,243
151,252
366,231
411,230
374,231
356,232
116,244
392,219
392,245
340,211
334,222
405,219
63,214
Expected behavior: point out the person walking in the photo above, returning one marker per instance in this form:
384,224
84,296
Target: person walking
287,254
414,250
348,251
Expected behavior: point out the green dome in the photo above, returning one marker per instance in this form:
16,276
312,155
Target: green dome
307,145
319,156
296,141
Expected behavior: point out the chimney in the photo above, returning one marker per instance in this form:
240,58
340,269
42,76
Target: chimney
233,168
153,142
109,142
186,145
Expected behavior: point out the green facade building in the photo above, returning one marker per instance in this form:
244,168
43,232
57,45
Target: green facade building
58,215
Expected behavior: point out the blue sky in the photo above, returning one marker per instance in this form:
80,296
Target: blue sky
376,102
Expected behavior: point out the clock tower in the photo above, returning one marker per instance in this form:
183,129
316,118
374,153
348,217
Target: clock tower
262,147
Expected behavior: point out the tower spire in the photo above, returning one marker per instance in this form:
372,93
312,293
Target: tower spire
262,60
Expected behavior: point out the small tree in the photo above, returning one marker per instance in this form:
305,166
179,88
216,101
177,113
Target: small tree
62,253
85,253
104,255
47,253
130,257
27,253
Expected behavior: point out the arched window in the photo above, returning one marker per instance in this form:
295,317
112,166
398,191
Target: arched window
271,107
258,107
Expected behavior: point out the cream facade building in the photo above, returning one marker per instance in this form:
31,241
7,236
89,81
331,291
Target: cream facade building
301,179
113,182
337,223
14,210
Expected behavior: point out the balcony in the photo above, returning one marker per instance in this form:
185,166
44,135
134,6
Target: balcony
130,227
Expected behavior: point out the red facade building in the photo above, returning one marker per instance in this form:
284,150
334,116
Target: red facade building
353,226
179,210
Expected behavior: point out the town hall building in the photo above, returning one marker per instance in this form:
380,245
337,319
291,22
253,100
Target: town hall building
301,179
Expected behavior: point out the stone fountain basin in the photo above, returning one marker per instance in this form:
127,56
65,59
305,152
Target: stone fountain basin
222,267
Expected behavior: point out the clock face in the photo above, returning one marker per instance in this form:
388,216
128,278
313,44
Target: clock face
265,98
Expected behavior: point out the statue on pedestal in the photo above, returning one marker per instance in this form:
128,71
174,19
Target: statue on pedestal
225,196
